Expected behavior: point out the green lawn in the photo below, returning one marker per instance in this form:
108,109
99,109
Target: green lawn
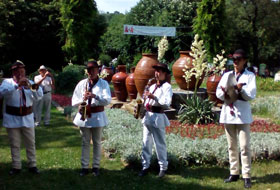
58,158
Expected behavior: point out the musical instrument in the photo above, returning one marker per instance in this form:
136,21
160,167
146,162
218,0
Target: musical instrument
139,110
83,105
25,83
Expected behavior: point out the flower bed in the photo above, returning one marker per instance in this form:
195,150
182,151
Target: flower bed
215,130
124,137
62,100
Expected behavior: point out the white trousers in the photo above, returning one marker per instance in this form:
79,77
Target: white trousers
152,135
95,134
233,131
38,106
28,135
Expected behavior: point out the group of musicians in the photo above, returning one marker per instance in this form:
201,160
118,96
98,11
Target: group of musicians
93,93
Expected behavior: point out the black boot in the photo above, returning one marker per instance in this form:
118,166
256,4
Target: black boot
14,171
232,178
143,172
247,183
84,172
34,170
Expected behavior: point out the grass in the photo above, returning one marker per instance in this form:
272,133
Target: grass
58,158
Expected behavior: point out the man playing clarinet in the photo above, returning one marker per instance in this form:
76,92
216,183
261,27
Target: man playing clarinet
157,98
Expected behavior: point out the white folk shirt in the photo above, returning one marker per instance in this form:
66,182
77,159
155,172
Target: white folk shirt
103,97
9,90
46,83
163,99
242,110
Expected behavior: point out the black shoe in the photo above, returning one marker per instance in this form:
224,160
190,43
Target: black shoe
95,172
34,170
143,172
247,183
84,172
14,171
232,178
161,173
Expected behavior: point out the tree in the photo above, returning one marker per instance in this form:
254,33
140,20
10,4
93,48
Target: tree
255,26
210,25
169,13
82,28
28,31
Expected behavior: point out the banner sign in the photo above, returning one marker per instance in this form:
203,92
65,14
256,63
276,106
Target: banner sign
149,30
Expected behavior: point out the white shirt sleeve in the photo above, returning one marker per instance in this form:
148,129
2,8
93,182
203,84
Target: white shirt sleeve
249,91
7,88
77,97
105,98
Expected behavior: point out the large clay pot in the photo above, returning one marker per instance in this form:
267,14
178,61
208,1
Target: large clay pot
178,73
110,71
144,71
119,83
212,83
130,85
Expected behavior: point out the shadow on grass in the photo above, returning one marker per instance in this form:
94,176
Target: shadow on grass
109,179
268,179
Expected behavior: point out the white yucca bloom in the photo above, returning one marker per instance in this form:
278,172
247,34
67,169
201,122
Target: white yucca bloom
199,62
162,47
103,74
219,63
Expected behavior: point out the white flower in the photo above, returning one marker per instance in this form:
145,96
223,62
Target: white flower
162,47
103,74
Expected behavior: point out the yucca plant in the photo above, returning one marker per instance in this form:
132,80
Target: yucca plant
196,110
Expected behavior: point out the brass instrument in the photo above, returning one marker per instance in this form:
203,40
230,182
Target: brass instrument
27,85
83,106
139,110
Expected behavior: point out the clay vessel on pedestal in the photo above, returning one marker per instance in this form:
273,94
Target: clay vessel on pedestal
119,83
130,85
144,71
110,71
178,72
212,83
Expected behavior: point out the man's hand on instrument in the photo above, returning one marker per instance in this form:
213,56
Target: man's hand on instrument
239,86
149,95
225,92
47,74
89,95
23,83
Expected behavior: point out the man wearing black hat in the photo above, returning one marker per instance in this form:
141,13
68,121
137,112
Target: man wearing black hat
91,95
18,116
237,116
157,98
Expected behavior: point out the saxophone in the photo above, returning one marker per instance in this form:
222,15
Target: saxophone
83,106
140,111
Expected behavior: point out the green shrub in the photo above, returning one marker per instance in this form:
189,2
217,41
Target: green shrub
105,59
196,111
267,84
67,80
269,105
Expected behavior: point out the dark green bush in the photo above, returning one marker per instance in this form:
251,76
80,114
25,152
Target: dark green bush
105,59
67,80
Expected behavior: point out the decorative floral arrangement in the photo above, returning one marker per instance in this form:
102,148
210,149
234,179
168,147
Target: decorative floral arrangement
199,61
162,47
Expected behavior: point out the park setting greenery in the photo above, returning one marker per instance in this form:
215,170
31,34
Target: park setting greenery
64,34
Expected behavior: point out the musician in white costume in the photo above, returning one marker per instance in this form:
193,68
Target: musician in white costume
18,117
91,118
157,98
236,115
46,81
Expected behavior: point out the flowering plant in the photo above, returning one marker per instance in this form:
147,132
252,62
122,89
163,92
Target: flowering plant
219,63
199,62
162,47
103,74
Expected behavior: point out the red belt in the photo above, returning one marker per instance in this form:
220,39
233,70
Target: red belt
18,111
